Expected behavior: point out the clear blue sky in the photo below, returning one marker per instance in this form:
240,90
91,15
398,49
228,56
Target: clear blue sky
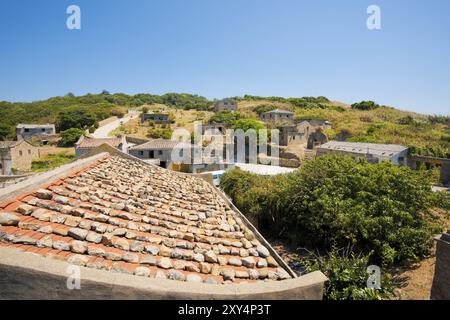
220,48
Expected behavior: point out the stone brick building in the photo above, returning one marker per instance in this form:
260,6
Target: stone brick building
277,115
372,152
16,155
441,281
226,105
158,118
84,145
27,131
158,151
308,132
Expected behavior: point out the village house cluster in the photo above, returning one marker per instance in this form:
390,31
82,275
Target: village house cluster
127,208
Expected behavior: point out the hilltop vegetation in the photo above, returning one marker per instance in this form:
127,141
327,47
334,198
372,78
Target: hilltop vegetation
364,121
85,111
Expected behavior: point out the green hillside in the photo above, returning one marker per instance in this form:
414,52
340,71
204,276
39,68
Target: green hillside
365,121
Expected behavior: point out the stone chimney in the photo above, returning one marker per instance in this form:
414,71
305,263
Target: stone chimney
441,281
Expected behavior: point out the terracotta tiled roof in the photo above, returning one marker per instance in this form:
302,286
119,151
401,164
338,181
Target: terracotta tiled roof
157,144
122,215
90,143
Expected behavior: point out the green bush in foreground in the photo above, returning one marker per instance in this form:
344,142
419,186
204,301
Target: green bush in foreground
347,276
337,201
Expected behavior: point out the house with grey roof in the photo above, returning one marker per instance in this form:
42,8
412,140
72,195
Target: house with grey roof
157,118
158,151
27,131
277,115
372,152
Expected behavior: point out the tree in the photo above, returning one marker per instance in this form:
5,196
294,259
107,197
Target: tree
160,133
80,119
5,131
247,124
70,137
365,105
263,108
118,113
347,276
224,117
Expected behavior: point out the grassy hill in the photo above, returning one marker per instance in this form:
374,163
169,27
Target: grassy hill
428,135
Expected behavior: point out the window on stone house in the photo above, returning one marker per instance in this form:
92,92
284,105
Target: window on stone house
20,153
160,152
141,153
29,151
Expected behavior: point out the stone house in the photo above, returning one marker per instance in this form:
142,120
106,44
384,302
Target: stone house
316,139
27,131
158,151
277,115
372,152
309,126
304,132
85,144
226,105
212,128
440,289
158,118
289,135
16,155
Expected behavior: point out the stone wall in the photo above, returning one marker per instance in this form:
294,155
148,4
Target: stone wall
27,276
441,282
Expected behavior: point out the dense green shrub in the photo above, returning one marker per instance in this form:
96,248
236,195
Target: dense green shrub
365,105
263,109
160,133
347,276
434,119
335,200
6,132
118,113
80,119
442,200
224,117
70,136
247,124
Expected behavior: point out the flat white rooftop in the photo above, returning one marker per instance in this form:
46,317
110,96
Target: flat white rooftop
364,148
264,169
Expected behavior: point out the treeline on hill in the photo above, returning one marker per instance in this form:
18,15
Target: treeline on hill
300,103
381,213
85,111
